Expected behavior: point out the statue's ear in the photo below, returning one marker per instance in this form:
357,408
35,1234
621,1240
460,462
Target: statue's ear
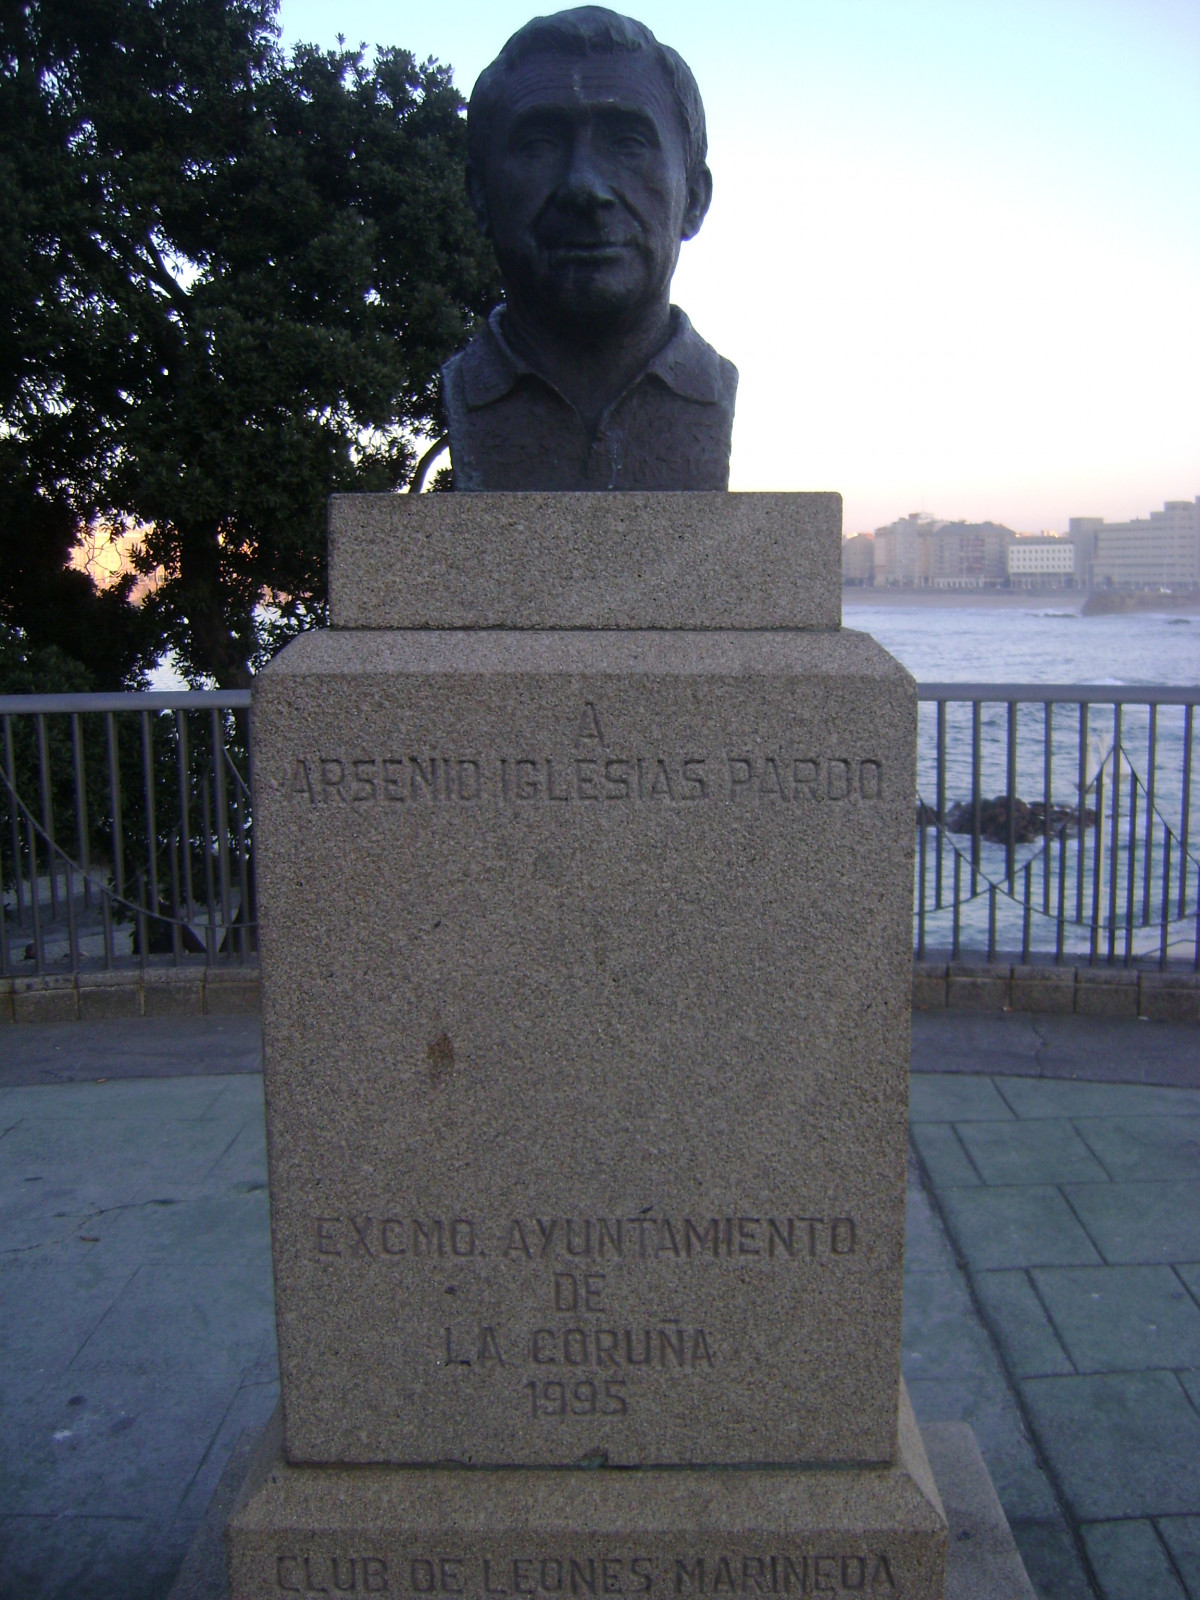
699,198
477,196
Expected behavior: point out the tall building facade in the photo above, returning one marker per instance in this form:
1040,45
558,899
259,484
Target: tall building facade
1161,551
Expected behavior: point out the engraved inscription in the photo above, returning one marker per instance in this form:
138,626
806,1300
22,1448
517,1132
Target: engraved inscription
685,1576
517,779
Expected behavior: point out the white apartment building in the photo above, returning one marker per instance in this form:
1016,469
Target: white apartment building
1040,561
1159,551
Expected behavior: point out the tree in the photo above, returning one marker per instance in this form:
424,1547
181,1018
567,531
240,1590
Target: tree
232,279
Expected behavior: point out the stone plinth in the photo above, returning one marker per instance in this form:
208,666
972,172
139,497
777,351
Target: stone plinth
585,871
585,561
586,996
685,1534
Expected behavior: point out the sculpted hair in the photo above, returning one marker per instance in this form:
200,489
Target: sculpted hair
585,31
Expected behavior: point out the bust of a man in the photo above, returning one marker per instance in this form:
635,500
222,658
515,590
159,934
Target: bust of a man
587,171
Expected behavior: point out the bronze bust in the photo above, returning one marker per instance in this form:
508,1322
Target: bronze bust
587,171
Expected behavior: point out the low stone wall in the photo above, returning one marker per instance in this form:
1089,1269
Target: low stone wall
109,996
1172,996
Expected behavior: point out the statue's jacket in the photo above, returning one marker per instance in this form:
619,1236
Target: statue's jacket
510,428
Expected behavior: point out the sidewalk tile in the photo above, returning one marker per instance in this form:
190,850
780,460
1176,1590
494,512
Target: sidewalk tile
1132,1223
85,1557
1130,1562
1120,1319
926,1248
1051,1560
1191,1383
943,1337
1065,1097
57,1299
1030,1345
1181,1535
1137,1149
943,1154
1024,1227
954,1097
1191,1277
1048,1151
986,1403
1120,1444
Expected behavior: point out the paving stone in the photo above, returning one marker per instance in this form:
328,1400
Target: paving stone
1115,1319
1018,1320
1130,1562
1139,1222
1191,1277
1119,1444
1062,1097
926,1248
1016,1227
943,1154
949,1097
1191,1384
984,1401
1136,1148
1051,1560
82,1557
1181,1535
1047,1151
943,1337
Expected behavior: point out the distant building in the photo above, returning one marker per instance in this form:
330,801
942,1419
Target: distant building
1082,533
858,561
1161,551
1040,561
901,551
969,555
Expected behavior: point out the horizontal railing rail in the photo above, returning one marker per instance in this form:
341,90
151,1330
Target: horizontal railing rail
1057,820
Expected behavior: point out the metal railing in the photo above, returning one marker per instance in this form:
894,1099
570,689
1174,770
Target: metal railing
1058,820
125,831
1054,819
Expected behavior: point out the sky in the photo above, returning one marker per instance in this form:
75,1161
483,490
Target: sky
954,247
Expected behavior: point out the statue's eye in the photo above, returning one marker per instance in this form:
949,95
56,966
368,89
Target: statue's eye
536,146
631,144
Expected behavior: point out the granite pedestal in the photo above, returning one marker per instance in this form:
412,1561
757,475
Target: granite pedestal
585,862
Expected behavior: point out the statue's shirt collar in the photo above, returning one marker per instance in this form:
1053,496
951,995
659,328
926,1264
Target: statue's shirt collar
491,368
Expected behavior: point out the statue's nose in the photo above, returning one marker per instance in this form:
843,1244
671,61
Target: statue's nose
585,186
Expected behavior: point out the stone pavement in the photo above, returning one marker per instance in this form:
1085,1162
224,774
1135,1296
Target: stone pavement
1052,1294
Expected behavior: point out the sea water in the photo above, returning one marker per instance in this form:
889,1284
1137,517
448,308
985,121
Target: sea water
1049,641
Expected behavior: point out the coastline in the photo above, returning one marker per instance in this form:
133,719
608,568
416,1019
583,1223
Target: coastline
1062,600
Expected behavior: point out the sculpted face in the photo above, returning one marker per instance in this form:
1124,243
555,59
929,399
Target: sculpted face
585,192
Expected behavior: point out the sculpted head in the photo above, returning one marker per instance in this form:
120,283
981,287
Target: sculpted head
587,170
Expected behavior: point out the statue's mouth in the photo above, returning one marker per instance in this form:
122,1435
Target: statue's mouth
592,251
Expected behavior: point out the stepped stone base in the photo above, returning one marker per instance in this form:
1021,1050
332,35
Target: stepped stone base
507,1532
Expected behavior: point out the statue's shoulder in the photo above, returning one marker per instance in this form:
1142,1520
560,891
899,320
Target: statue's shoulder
696,369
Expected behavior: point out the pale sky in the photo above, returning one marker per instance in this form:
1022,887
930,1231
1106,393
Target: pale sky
954,247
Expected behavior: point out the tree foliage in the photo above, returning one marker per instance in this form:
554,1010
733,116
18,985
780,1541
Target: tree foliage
230,279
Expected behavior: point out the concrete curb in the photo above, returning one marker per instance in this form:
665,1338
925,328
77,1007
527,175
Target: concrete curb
1171,996
109,996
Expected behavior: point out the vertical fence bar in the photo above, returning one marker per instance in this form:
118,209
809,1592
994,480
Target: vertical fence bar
1061,930
150,808
1081,836
4,967
47,799
114,803
1164,925
72,928
10,771
1027,917
185,822
1196,951
39,952
221,790
1114,846
921,832
1185,809
1151,764
176,940
1010,804
956,920
1094,946
976,789
1131,867
106,926
243,916
941,801
991,949
81,806
210,892
1047,791
143,952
